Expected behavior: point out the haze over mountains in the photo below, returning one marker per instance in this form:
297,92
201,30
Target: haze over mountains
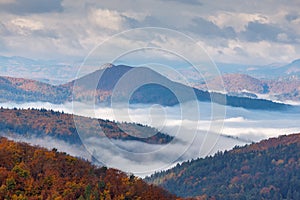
47,71
56,73
271,71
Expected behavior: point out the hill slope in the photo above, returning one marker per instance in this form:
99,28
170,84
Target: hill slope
41,123
237,84
266,170
26,90
28,172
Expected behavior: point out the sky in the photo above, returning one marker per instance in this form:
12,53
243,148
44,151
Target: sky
232,31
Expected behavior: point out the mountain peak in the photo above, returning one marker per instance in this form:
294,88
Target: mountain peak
106,66
112,66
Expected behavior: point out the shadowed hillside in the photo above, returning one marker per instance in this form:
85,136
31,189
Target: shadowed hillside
153,89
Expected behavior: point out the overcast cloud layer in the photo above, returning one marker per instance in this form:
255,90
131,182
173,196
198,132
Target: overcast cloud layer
254,32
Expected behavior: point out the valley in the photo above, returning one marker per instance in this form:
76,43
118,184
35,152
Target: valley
149,100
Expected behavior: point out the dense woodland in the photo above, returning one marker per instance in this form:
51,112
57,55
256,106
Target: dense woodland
40,123
28,172
266,170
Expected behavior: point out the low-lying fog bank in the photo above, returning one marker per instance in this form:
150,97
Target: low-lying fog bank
196,134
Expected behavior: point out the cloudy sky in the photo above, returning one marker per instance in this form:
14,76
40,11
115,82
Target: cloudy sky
249,32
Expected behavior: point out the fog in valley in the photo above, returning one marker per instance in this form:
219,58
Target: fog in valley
199,129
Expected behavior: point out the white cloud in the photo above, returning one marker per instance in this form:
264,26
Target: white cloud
27,24
107,19
262,52
237,20
86,24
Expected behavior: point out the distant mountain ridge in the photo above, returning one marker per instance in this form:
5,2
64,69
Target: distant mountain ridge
269,169
271,71
47,71
235,84
158,90
26,90
57,72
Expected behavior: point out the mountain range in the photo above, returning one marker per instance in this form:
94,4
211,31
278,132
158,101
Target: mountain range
275,71
143,84
281,79
57,72
269,169
245,85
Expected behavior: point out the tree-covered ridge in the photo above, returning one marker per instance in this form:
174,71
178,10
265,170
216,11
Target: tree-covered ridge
28,172
28,122
26,90
270,143
266,170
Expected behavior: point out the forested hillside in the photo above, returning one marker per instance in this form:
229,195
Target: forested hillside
26,90
40,123
237,84
266,170
28,172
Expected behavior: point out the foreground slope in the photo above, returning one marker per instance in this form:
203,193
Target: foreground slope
269,169
28,172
